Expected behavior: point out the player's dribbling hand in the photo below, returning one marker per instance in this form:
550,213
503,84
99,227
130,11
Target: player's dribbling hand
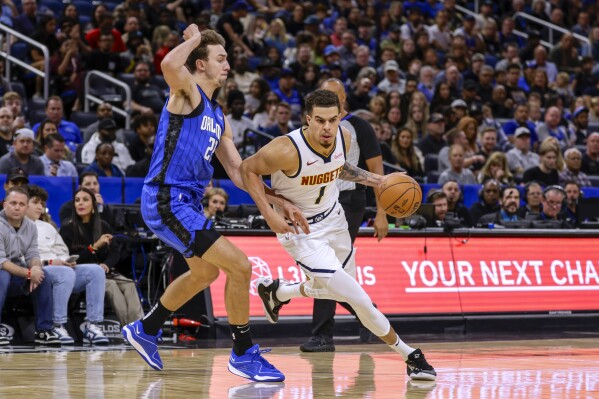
191,31
386,177
296,217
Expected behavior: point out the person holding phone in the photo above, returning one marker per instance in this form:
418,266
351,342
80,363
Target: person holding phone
88,236
67,275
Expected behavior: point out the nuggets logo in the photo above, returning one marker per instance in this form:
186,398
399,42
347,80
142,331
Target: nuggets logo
259,269
322,178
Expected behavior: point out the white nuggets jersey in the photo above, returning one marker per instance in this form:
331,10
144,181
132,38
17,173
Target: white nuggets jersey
312,188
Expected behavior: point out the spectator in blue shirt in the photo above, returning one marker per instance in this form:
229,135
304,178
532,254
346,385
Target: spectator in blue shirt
70,131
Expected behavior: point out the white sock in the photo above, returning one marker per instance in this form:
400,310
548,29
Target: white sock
287,291
402,348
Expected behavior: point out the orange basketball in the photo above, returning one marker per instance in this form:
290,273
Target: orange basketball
400,196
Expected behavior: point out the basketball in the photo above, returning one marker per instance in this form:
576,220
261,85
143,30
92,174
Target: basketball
400,196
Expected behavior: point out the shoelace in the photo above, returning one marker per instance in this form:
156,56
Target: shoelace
258,356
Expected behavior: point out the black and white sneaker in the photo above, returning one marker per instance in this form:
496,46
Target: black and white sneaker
418,368
47,337
6,334
267,288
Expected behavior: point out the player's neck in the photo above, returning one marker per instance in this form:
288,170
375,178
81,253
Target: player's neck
316,145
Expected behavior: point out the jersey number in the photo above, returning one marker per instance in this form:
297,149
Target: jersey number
210,150
320,194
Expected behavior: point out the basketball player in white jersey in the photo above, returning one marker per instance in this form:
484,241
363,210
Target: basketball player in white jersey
304,166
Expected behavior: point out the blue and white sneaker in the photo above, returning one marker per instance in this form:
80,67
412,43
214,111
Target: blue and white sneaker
253,366
146,345
93,334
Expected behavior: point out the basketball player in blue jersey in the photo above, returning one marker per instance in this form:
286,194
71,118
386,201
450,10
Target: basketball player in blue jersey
304,166
191,130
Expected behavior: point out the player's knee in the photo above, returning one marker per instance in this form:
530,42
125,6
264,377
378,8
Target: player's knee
241,270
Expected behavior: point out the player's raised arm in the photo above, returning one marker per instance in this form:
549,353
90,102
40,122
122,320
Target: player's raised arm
176,74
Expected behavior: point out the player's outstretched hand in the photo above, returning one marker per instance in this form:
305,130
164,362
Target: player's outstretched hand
277,223
296,217
191,31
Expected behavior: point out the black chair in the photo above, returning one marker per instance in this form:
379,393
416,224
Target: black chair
431,162
594,180
36,116
83,119
128,78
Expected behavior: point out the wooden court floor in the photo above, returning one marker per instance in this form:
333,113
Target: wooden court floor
555,368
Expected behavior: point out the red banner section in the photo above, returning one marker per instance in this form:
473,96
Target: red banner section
414,275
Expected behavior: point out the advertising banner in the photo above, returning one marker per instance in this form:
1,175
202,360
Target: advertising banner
447,275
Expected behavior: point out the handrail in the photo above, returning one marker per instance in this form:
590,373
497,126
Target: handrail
45,74
551,26
246,139
90,97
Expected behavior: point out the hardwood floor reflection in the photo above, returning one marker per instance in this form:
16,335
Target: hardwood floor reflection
564,368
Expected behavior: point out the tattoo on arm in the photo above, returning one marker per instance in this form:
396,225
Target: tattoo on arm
357,175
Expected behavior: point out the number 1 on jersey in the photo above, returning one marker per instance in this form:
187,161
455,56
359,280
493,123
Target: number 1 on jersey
320,194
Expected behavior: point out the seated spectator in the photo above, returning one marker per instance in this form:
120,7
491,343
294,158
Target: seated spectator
287,92
552,128
107,133
55,112
21,271
103,58
533,193
53,158
73,277
546,173
106,25
22,155
45,129
590,159
496,168
13,101
238,122
408,156
488,145
509,202
215,202
6,130
488,201
146,96
452,190
283,124
433,141
103,111
553,200
144,126
573,160
103,165
141,168
457,171
570,210
521,158
580,124
265,115
91,238
439,200
521,119
90,181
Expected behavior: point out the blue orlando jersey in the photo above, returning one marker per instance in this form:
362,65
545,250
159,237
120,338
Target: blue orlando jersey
185,145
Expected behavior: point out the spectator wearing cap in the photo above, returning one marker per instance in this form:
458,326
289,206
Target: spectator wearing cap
590,159
22,155
391,42
571,171
440,33
230,26
579,125
239,123
459,108
146,97
55,112
16,177
53,158
6,130
521,158
330,54
287,92
366,35
107,133
392,81
433,141
270,71
552,128
311,24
